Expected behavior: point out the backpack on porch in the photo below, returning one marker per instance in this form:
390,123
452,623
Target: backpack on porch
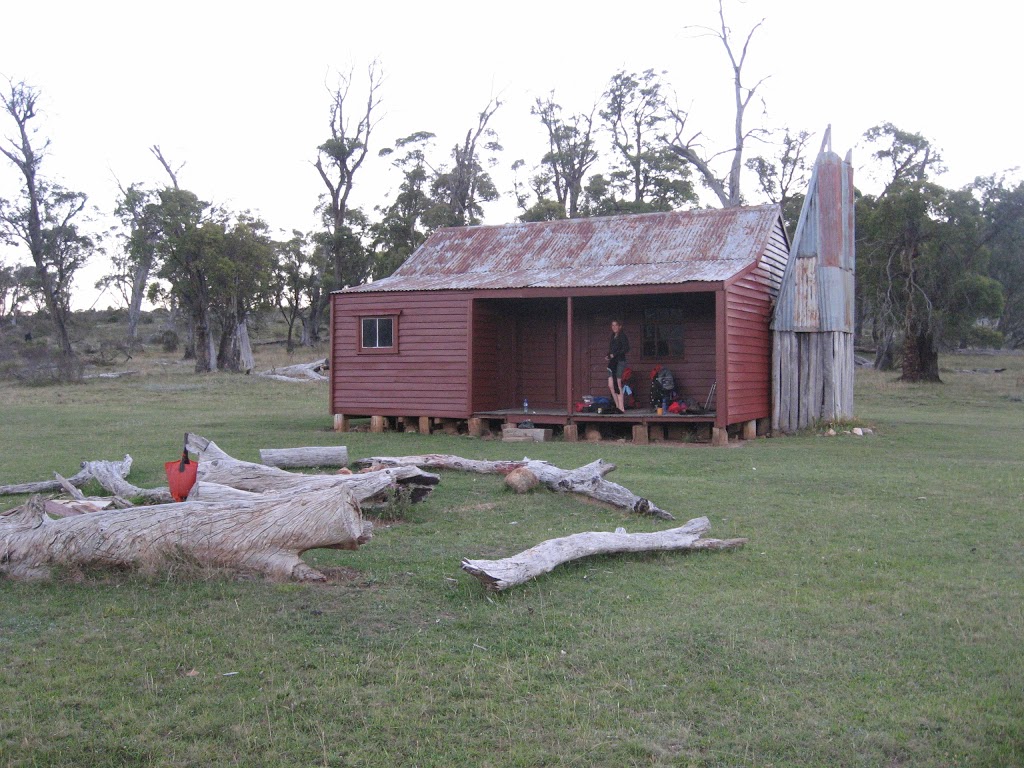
663,386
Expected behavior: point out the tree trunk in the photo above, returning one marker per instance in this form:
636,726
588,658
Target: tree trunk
215,466
320,456
298,372
920,357
265,536
546,556
245,358
80,478
587,480
139,280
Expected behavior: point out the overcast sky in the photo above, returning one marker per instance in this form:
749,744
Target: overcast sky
239,92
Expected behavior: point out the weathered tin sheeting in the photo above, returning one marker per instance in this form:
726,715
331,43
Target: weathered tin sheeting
661,274
812,377
645,249
817,289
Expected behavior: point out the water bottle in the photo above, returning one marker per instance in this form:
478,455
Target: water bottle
664,405
526,406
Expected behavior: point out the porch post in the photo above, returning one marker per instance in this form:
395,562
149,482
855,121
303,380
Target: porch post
721,360
568,355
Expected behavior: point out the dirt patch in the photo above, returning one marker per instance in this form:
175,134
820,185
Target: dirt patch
341,574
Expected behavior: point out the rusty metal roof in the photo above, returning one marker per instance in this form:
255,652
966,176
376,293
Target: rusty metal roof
642,249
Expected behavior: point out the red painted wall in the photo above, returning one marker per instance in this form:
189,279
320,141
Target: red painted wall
429,374
748,346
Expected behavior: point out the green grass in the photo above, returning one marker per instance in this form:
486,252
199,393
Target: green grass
876,618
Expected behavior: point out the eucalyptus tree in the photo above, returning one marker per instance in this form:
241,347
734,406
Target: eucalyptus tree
1003,208
460,189
781,174
571,152
646,174
241,284
190,235
291,281
402,227
922,263
351,124
135,260
45,216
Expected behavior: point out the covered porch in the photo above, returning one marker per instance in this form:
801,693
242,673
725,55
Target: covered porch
550,353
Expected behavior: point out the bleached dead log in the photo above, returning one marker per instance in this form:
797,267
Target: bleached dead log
107,474
546,556
69,489
216,466
266,536
77,480
215,492
298,372
587,480
111,375
314,456
366,487
70,507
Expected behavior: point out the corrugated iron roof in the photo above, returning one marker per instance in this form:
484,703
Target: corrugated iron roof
643,249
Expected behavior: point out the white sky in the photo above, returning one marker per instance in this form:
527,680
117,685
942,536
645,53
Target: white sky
238,92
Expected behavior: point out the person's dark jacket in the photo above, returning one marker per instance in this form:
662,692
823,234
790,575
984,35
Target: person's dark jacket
618,346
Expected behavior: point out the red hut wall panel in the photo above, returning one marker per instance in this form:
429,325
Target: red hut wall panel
748,346
425,371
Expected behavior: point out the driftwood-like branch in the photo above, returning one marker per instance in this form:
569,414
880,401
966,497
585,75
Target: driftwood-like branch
318,456
266,535
216,466
587,480
546,556
299,372
80,478
107,474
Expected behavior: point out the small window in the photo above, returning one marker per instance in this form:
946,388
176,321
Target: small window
377,333
663,332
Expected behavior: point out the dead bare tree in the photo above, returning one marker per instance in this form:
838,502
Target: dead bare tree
340,158
726,187
43,218
172,172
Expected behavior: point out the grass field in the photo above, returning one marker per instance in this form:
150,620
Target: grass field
876,618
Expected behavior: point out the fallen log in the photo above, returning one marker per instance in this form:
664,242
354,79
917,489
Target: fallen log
266,535
216,466
80,478
587,480
501,574
70,507
112,375
318,456
107,474
298,372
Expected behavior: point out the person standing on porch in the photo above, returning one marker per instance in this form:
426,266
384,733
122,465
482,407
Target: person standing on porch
618,346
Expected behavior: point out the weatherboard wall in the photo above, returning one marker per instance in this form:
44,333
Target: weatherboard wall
427,374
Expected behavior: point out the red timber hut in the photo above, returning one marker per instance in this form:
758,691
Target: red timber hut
480,319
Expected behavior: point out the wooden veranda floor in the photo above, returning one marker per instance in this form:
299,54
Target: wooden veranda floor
563,417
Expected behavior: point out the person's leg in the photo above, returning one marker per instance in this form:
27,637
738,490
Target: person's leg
620,397
611,386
